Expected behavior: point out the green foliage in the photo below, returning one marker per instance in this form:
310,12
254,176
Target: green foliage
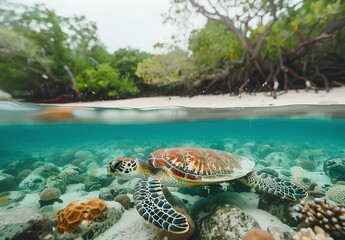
44,55
213,45
99,55
104,80
296,23
42,46
165,68
127,60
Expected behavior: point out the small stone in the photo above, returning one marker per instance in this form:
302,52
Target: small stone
124,200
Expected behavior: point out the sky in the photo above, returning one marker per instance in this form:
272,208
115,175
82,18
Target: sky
123,23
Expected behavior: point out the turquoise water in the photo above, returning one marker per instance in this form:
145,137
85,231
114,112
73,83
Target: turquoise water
25,140
58,139
24,136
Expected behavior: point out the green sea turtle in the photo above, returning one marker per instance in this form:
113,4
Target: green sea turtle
188,167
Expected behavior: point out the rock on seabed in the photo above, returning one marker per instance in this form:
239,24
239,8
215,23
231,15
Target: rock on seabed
225,222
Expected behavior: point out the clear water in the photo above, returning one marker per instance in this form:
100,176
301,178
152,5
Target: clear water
56,134
29,130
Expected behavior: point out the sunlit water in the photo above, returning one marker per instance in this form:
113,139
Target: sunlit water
42,134
36,131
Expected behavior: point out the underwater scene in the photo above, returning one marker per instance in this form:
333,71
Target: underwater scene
172,173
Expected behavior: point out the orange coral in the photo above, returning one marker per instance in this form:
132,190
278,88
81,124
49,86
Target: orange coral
257,234
70,217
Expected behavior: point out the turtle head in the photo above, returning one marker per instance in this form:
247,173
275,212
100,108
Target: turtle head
125,168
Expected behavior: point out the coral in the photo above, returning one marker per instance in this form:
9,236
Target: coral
335,169
324,214
124,200
72,174
309,234
70,217
49,196
337,193
257,234
163,234
308,165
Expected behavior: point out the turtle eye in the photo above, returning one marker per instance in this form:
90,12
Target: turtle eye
114,166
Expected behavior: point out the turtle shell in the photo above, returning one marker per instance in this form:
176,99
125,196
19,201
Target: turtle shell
201,164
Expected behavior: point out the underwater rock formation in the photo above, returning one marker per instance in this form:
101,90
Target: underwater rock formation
300,176
129,185
16,166
225,221
7,182
56,182
97,179
282,209
33,182
72,174
83,159
307,164
49,196
22,175
24,223
322,213
111,192
10,199
337,192
37,179
278,159
86,219
281,232
47,170
124,200
335,169
264,150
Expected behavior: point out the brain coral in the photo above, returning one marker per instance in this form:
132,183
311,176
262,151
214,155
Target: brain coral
70,217
50,194
337,193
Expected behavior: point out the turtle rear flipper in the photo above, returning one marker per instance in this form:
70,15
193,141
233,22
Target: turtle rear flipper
152,205
268,183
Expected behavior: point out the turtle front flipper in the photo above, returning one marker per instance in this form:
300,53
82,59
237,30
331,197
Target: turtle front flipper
152,205
268,183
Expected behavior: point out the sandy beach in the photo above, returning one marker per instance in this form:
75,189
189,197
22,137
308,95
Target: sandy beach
334,96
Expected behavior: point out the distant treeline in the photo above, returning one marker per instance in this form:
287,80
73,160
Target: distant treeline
246,45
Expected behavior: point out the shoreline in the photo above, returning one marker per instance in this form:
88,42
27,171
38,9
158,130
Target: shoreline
335,96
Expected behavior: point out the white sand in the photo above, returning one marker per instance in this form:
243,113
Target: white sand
334,96
131,226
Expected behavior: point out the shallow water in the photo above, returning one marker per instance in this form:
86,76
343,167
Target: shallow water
34,131
282,137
